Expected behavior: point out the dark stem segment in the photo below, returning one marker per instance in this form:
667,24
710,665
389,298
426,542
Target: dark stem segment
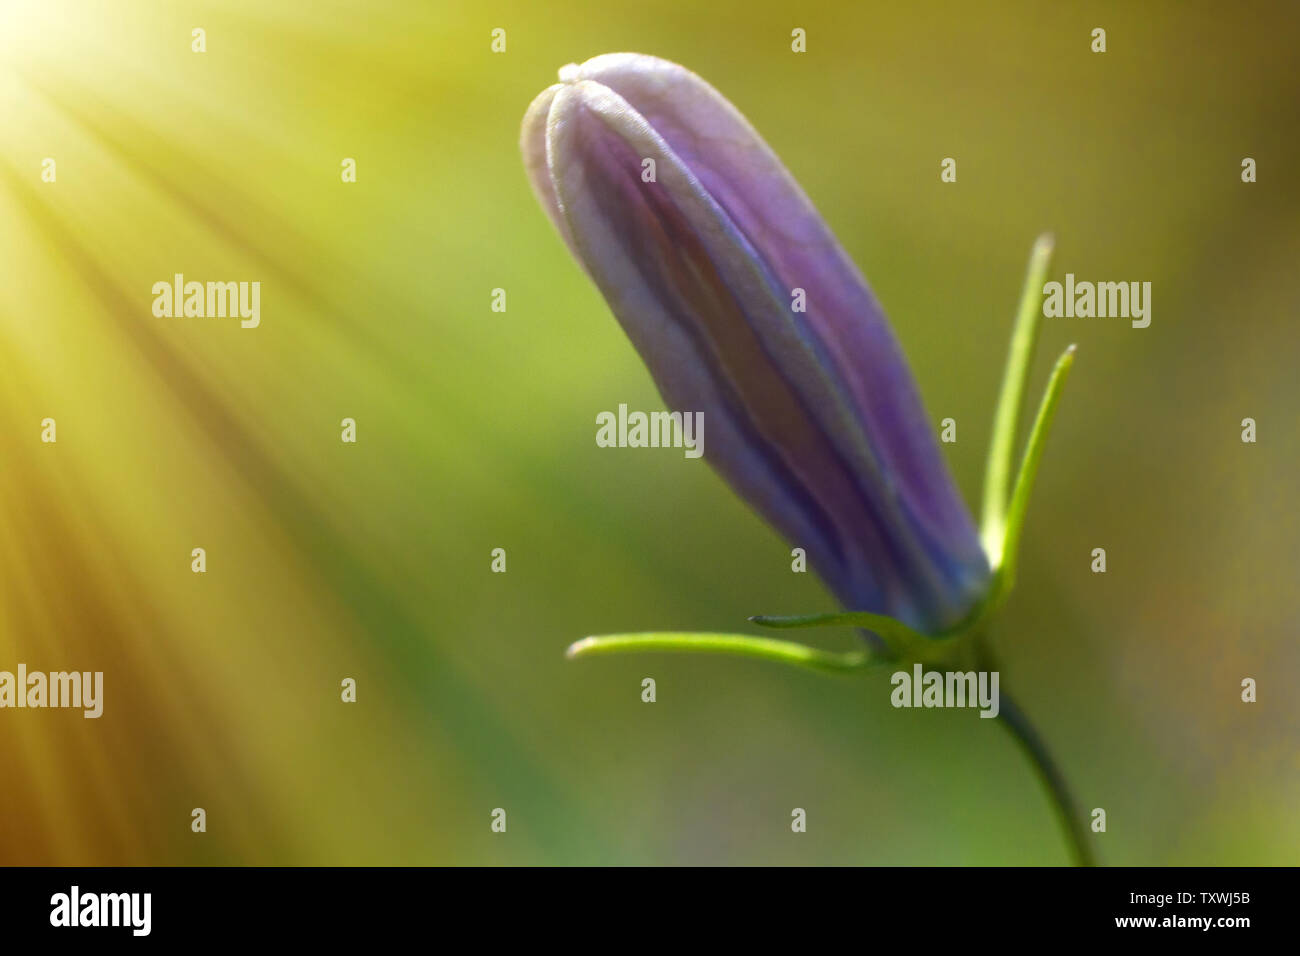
1015,721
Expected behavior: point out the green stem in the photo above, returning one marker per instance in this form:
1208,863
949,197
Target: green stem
1067,809
899,640
1006,420
1028,474
743,645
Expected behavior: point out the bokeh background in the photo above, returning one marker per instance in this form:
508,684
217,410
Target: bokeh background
476,430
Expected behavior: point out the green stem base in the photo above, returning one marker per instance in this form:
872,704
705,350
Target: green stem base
1014,719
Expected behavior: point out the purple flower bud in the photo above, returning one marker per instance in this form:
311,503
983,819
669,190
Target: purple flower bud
743,306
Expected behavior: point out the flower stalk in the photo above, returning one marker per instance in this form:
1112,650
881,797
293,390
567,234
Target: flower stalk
1006,502
746,311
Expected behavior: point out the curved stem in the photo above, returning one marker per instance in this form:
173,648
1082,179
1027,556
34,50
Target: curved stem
741,645
899,640
1036,750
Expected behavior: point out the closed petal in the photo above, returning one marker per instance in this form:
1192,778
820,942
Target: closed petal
532,143
844,320
813,417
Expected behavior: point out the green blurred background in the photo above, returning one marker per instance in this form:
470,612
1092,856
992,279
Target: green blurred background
476,430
